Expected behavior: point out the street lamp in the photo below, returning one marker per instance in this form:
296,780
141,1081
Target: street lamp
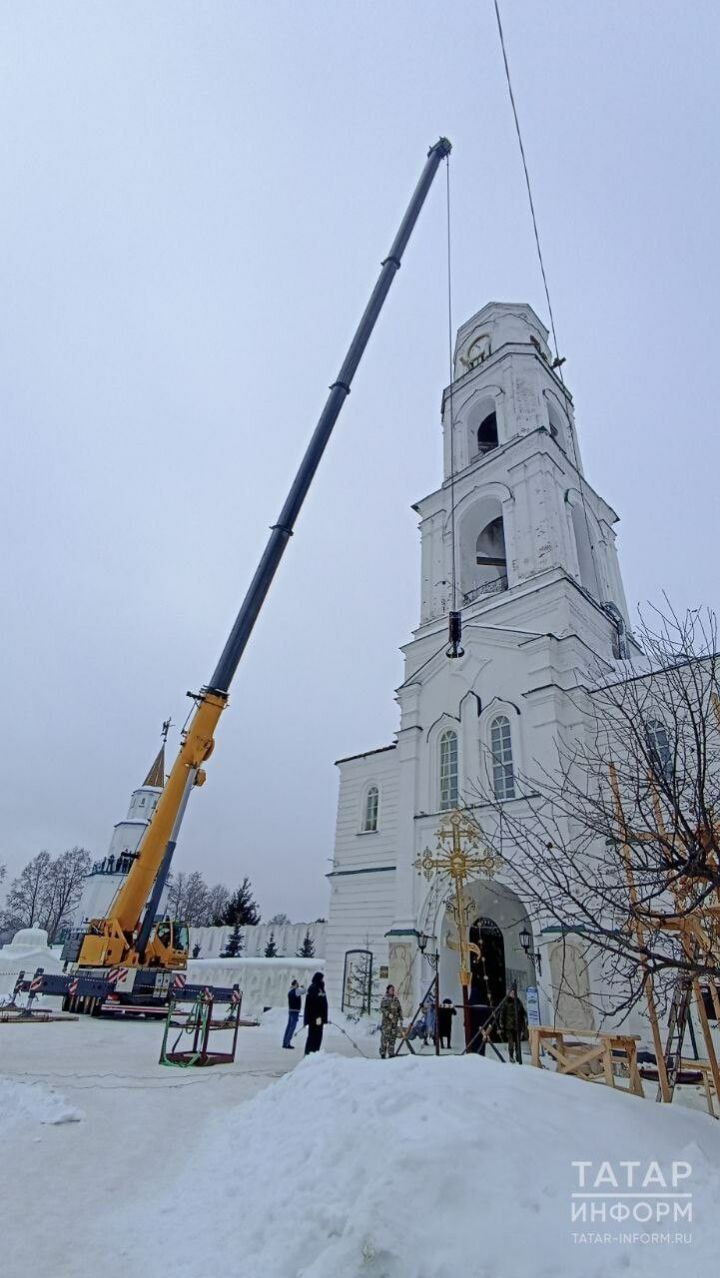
529,952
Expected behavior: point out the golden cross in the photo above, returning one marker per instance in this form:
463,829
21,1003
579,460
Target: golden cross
460,855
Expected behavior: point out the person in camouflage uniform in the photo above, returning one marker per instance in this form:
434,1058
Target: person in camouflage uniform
513,1022
390,1022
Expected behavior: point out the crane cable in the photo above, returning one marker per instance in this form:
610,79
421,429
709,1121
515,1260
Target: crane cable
538,246
454,619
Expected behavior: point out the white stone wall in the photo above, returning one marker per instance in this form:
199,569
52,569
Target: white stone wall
288,939
362,879
264,982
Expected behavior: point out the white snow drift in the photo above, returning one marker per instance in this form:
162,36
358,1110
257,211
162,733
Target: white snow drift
22,1103
422,1168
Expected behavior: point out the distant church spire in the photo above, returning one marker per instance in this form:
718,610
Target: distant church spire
156,775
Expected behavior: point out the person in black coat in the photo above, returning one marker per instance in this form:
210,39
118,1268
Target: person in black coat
445,1015
316,1013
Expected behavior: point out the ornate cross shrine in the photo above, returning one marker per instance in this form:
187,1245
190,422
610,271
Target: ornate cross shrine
460,855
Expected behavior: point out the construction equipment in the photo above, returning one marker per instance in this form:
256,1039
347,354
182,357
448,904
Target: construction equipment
13,1011
198,1023
127,956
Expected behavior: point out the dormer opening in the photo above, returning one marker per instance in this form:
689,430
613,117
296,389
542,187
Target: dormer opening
487,434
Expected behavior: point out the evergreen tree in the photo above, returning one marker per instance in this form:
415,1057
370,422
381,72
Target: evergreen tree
241,908
307,949
235,943
271,947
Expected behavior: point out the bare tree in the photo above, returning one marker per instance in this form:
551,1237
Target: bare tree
66,874
617,846
27,895
196,894
190,899
177,895
216,904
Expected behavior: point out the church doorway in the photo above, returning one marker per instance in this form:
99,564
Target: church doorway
487,969
496,919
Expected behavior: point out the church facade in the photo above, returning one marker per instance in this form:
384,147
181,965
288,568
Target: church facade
516,540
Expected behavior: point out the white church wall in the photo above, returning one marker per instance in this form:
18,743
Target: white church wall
362,909
362,892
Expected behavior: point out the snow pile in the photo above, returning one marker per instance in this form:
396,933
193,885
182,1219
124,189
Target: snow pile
421,1168
33,1103
27,951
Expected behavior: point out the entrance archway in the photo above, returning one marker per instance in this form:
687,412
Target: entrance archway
499,916
489,982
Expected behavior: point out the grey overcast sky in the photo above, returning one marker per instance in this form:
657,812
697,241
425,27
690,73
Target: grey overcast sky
195,200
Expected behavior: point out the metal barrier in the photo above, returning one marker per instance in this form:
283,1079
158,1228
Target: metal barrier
199,1022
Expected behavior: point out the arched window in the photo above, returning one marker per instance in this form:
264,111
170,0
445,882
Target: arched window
659,747
556,427
502,761
491,558
448,770
585,553
487,436
370,812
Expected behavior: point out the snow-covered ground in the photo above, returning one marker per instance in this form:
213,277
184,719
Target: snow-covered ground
333,1167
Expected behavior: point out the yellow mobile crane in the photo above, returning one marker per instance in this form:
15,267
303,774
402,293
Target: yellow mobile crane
128,954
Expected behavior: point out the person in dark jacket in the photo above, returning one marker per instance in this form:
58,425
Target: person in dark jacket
294,1008
316,1013
513,1023
445,1015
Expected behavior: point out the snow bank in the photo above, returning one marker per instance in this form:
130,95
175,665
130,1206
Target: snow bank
33,1103
421,1168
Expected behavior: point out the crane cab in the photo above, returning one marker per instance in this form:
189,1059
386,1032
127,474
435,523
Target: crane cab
168,945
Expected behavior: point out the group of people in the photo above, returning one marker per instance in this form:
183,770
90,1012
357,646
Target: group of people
511,1023
315,1017
427,1023
432,1020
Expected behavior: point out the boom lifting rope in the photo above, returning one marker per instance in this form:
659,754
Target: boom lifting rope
455,649
557,362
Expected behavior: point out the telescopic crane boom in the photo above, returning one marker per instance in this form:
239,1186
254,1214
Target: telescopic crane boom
121,937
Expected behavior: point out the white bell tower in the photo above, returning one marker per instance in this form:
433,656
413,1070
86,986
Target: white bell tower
517,542
514,497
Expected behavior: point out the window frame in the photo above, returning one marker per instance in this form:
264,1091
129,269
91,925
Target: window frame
365,826
445,771
502,765
660,758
